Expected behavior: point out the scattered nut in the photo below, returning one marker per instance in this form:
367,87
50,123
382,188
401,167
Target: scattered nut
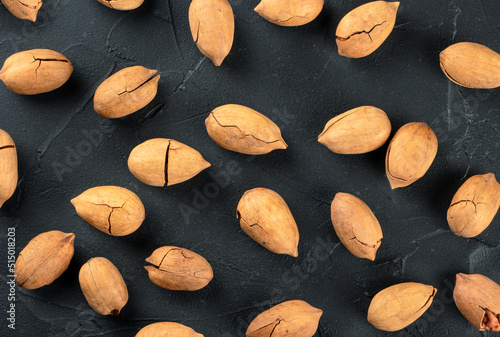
410,154
8,167
177,268
212,27
44,259
289,12
287,319
111,209
167,329
241,129
103,286
266,218
356,131
126,92
35,71
23,9
122,5
161,161
474,205
365,28
356,226
397,306
471,65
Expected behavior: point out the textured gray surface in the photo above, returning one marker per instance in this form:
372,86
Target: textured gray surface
293,75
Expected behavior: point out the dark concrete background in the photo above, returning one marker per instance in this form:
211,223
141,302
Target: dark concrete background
296,77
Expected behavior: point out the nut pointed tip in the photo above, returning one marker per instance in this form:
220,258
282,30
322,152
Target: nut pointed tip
258,9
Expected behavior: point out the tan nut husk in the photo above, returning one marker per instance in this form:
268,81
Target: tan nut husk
356,226
44,259
161,161
410,154
167,329
474,205
8,167
23,9
471,65
111,209
478,299
241,129
397,306
289,12
365,28
103,286
35,71
290,318
126,92
122,5
265,217
177,268
359,130
212,28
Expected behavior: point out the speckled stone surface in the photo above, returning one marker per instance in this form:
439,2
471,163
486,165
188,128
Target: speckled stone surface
296,77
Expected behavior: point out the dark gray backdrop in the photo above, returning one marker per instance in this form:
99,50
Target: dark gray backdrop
296,77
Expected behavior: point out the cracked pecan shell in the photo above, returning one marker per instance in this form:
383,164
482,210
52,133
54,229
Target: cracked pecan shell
44,259
359,130
265,217
290,318
167,329
177,268
365,28
356,226
23,9
161,161
471,65
111,209
478,299
126,91
474,205
122,5
410,154
241,129
212,27
35,71
397,306
103,286
8,167
289,12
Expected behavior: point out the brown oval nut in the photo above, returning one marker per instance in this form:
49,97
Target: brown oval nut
44,259
35,71
8,167
103,286
167,329
212,28
289,12
474,205
111,209
471,65
365,28
122,5
23,9
265,217
244,130
161,161
397,306
126,92
356,131
410,154
356,226
290,318
177,268
478,299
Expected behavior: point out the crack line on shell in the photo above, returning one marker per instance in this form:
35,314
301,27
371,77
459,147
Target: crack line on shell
306,16
176,273
361,32
271,334
451,78
125,91
337,122
244,135
429,299
363,243
112,210
7,147
166,163
197,32
277,322
164,256
40,60
29,6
